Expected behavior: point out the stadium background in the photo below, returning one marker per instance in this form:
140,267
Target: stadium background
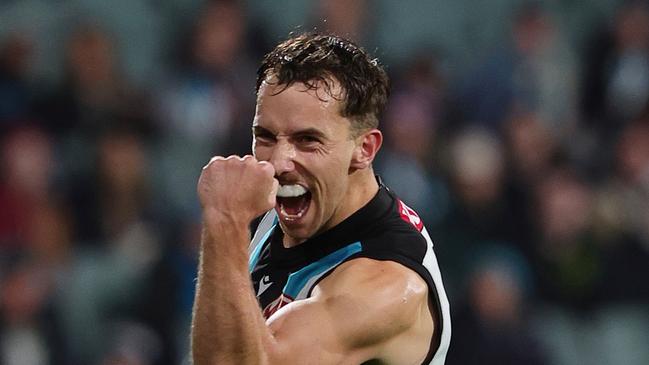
519,131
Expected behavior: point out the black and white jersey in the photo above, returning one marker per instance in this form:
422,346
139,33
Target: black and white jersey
384,229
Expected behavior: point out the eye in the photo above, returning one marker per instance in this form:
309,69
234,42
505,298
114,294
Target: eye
264,138
307,139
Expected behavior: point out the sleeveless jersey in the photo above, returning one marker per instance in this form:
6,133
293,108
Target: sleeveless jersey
384,229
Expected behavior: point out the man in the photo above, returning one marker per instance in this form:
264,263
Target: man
344,272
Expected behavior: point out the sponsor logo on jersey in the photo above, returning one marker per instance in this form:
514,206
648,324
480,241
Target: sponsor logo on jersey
410,216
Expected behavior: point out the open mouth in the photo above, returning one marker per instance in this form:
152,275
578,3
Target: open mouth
293,201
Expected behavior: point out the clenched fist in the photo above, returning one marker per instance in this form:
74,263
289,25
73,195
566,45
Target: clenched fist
237,188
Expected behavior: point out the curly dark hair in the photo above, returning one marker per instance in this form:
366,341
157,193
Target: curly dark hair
320,60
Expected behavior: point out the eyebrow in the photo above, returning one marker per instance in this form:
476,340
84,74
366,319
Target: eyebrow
257,130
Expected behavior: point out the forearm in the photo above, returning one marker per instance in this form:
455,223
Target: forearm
227,325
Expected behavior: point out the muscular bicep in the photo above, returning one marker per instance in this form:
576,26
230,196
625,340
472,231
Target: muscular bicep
352,316
307,332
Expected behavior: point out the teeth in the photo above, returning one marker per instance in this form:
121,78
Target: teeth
291,217
289,191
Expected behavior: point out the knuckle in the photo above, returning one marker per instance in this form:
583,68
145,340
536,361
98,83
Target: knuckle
250,161
266,167
214,161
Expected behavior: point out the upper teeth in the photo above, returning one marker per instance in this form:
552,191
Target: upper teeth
288,191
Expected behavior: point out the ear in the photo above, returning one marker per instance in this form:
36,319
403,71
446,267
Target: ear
367,146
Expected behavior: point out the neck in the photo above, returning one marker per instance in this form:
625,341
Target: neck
361,189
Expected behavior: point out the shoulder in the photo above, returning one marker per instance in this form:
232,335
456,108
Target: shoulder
396,240
372,274
386,308
379,289
397,225
364,310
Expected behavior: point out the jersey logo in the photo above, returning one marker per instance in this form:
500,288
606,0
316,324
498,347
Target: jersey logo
410,216
276,304
264,284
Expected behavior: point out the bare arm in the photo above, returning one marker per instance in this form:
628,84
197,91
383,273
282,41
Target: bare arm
227,325
362,311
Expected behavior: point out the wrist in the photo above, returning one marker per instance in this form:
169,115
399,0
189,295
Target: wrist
215,218
225,236
225,231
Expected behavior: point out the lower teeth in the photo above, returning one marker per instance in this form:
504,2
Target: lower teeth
292,216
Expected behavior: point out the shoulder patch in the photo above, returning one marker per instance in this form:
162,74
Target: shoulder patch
410,216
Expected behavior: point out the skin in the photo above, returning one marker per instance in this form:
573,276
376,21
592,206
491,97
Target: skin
365,310
302,134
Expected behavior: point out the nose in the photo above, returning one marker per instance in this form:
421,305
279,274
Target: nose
283,157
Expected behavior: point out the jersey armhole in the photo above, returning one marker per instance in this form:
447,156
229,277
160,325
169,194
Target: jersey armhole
261,236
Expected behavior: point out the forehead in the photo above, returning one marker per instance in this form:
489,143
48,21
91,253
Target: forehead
299,105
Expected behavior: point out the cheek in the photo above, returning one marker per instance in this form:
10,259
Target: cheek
336,175
331,168
261,153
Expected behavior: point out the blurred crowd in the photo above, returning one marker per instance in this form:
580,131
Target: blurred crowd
529,165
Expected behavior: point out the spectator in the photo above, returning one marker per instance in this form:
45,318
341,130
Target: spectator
15,92
493,326
408,163
349,19
569,262
206,108
95,96
108,274
615,87
26,179
535,72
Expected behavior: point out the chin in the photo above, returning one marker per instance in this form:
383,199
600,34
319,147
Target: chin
295,237
298,231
